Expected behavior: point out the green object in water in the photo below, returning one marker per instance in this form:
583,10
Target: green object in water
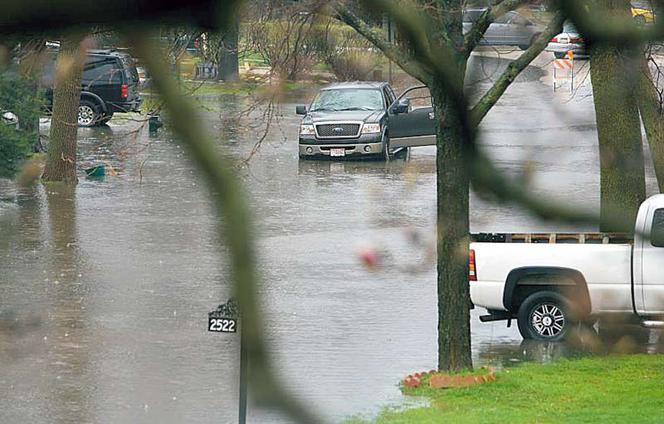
96,171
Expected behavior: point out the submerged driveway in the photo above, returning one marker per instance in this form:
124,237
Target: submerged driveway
105,294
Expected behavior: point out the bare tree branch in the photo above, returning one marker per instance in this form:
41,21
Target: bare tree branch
484,175
607,28
482,24
397,55
514,69
237,229
36,16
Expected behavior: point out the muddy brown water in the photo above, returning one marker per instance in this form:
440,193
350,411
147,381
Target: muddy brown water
105,290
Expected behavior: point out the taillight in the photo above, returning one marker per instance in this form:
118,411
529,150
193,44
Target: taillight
554,40
124,91
576,40
472,274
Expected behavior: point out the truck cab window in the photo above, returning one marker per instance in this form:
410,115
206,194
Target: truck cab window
657,232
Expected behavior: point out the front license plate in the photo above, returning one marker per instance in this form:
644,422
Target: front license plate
337,152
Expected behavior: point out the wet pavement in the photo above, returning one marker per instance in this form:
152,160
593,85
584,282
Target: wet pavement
105,290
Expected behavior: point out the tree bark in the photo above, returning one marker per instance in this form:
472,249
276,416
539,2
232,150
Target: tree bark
61,157
453,191
614,75
650,106
228,53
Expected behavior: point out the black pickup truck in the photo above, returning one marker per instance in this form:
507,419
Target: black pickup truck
365,119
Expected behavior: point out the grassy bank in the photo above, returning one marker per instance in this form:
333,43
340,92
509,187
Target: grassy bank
615,389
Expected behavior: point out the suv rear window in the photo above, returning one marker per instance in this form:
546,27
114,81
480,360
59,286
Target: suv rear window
130,68
100,70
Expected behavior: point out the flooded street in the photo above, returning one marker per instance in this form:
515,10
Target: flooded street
105,289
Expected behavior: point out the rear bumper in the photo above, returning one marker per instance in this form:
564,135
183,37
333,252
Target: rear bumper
132,106
577,49
487,294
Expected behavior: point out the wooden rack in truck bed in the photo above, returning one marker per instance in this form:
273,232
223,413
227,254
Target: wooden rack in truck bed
594,238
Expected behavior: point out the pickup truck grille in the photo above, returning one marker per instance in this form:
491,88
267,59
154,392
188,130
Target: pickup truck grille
338,130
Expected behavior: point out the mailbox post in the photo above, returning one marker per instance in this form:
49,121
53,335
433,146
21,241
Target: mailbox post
225,319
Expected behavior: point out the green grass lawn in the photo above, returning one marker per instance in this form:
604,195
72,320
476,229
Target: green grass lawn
612,389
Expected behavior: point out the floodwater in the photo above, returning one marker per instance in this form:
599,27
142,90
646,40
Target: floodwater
105,289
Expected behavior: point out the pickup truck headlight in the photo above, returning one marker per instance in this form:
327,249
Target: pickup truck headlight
306,129
370,128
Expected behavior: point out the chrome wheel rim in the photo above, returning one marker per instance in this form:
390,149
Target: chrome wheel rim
548,320
86,115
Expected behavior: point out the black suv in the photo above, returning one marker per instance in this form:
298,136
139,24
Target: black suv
365,119
110,84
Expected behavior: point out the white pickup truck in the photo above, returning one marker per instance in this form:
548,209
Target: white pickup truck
550,282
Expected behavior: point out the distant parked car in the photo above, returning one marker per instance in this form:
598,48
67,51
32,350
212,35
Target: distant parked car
110,84
511,29
642,13
569,39
9,118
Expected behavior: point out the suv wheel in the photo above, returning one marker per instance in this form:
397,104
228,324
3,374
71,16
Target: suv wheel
88,115
107,117
544,316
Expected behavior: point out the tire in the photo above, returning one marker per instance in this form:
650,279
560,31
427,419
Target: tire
403,153
89,114
530,43
544,316
386,148
640,19
105,119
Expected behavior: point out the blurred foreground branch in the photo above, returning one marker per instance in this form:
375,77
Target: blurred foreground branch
236,230
37,16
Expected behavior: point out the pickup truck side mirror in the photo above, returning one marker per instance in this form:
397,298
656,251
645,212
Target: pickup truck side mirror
401,106
301,110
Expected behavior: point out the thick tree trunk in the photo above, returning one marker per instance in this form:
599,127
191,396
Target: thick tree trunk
650,107
61,158
453,238
614,74
228,53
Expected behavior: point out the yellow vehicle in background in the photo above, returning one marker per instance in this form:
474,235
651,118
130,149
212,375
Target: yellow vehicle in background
642,13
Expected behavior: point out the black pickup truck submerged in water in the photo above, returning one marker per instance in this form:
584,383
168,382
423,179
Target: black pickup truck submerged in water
365,119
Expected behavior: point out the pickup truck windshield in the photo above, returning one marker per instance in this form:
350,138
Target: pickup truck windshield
348,99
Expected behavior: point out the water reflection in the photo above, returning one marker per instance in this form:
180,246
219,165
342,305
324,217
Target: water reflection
584,341
68,354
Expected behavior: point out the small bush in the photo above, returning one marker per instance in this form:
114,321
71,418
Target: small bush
20,98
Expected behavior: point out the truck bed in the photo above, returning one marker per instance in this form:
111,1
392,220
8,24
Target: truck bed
569,238
603,259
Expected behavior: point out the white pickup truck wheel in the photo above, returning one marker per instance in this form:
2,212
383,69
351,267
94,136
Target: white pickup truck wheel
544,316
